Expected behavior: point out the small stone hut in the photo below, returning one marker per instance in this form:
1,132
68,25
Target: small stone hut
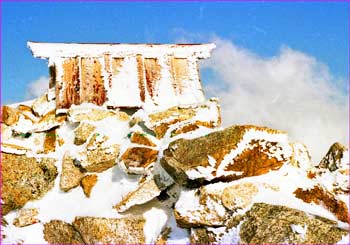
124,75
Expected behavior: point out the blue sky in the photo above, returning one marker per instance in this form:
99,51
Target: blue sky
317,29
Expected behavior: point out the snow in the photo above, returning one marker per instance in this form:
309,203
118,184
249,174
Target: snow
345,240
177,234
156,218
301,230
53,50
124,84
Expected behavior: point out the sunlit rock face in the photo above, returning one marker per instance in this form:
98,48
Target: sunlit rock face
229,154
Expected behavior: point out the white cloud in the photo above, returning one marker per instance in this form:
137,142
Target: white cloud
37,88
291,91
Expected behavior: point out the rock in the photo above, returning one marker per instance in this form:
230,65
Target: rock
27,113
26,217
99,155
42,105
203,236
13,149
82,133
201,207
191,126
9,115
169,196
147,191
71,175
319,195
275,224
271,224
230,154
6,132
48,121
59,232
111,231
87,183
333,159
228,234
141,139
177,117
163,237
301,157
138,159
50,141
88,112
239,196
24,179
333,171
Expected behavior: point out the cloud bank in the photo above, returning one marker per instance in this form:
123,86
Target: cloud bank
37,88
291,91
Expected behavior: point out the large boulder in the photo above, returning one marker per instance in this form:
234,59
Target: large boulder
266,223
59,232
111,231
229,154
24,179
271,224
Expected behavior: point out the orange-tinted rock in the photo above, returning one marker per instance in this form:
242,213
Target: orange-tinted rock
50,141
138,158
87,183
141,139
216,156
320,196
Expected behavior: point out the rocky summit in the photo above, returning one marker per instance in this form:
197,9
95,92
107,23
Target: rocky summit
99,175
80,169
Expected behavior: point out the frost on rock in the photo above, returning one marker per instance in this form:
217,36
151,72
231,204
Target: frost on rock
147,191
229,154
